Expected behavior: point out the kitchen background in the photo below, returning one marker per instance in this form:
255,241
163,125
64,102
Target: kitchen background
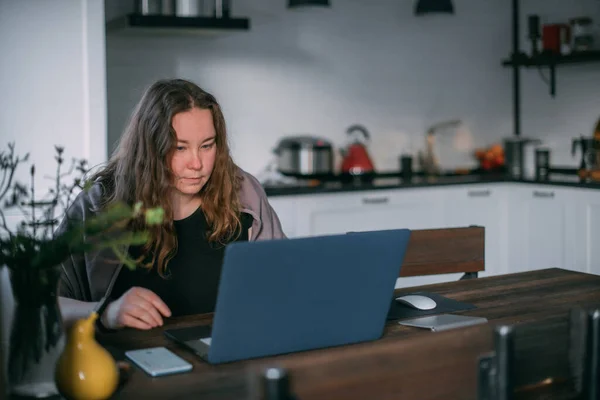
319,70
66,80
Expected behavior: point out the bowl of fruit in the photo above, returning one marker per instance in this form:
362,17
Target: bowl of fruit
490,158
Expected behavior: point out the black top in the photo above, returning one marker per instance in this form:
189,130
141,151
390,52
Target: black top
192,277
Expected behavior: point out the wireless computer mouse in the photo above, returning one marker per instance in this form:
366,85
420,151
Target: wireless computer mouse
417,301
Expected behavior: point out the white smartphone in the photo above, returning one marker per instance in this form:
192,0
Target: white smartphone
443,322
158,361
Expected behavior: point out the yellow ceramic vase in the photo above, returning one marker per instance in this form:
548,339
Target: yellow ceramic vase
85,370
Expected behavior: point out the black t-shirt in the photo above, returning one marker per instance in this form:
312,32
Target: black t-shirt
192,278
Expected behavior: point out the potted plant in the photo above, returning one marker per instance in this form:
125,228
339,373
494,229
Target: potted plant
33,253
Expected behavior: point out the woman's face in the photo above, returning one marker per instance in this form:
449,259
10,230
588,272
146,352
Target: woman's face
194,157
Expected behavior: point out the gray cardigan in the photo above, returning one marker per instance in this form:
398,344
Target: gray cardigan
90,276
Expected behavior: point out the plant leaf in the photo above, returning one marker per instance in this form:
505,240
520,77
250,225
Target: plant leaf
154,216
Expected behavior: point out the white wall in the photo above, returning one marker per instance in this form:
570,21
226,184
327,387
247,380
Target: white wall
53,80
53,86
373,62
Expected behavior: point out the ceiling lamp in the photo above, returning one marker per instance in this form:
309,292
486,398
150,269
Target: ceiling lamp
307,3
434,6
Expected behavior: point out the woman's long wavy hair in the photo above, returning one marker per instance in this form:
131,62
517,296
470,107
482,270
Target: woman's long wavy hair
139,169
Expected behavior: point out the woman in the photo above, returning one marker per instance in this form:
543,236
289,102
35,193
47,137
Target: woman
173,154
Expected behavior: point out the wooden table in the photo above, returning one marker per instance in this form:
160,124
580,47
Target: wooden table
405,363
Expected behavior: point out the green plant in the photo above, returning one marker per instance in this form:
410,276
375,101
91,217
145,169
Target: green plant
34,250
34,244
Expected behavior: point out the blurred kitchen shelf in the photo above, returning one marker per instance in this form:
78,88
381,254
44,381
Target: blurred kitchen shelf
150,24
517,60
551,60
548,59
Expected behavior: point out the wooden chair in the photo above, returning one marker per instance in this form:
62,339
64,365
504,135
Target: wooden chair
445,251
555,359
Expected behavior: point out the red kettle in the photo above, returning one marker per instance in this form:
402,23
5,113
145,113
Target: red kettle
356,161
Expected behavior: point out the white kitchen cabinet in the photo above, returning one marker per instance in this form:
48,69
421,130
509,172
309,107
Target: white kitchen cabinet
592,244
338,213
482,205
419,208
584,226
527,226
539,235
286,209
373,210
370,210
552,226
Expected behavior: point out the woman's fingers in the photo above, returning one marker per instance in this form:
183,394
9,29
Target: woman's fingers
156,301
149,309
140,308
134,322
139,312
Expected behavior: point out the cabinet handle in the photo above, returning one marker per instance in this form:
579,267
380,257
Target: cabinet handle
376,200
537,193
480,193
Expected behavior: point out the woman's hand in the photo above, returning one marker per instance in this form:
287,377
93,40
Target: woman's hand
138,308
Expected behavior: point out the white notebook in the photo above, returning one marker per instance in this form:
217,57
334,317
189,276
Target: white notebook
443,322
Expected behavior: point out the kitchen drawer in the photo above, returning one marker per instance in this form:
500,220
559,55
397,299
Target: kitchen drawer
352,200
370,210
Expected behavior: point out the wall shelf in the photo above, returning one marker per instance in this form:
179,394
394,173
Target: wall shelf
174,24
552,60
548,59
519,60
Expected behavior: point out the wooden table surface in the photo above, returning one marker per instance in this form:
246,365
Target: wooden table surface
405,363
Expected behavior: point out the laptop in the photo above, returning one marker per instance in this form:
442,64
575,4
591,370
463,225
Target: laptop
290,295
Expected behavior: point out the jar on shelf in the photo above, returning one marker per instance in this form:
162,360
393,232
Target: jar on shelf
582,36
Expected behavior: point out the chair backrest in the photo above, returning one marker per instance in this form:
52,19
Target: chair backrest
445,251
553,358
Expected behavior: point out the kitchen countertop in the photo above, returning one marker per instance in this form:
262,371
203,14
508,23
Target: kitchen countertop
418,182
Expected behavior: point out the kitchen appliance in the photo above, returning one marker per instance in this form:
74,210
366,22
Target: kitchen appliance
428,159
184,8
582,37
406,171
516,156
149,7
590,155
542,164
155,7
356,163
533,34
304,156
556,38
202,8
189,8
